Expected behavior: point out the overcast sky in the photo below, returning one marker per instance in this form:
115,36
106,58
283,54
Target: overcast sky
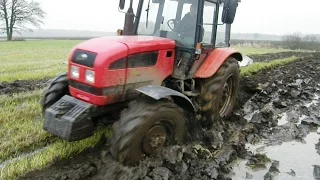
253,16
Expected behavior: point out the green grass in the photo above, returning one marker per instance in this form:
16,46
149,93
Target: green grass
58,150
24,60
256,67
21,132
20,128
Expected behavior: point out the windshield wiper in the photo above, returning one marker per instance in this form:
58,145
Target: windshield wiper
148,9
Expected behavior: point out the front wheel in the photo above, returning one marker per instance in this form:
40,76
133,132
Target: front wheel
56,89
144,127
219,93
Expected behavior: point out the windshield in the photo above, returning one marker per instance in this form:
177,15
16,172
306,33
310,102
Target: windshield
164,20
149,14
221,31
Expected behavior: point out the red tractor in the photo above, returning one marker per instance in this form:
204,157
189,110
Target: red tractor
168,67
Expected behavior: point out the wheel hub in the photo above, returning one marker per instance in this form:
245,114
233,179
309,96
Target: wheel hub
226,96
155,138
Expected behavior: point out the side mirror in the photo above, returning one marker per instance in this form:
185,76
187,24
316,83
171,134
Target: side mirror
121,4
229,11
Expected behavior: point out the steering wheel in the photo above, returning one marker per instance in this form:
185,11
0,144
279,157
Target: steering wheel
179,27
173,22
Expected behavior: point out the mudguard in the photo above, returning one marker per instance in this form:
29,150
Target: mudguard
159,92
215,60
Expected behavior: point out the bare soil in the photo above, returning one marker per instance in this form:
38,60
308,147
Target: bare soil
21,86
281,55
212,152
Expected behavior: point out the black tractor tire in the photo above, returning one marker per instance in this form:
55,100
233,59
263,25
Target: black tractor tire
219,93
145,126
55,90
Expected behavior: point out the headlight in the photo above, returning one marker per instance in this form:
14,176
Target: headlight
74,72
89,76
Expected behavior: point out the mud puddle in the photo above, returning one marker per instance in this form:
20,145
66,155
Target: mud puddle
286,115
272,111
296,160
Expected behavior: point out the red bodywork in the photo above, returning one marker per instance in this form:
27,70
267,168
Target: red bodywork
117,83
120,81
214,61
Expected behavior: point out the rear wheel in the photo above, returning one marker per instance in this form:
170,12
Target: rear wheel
56,89
219,93
144,127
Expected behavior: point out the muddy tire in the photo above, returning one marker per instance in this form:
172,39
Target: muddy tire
144,127
219,93
56,89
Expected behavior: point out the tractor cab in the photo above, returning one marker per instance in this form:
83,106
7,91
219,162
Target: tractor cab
197,27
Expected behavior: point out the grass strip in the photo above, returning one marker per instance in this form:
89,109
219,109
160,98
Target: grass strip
256,67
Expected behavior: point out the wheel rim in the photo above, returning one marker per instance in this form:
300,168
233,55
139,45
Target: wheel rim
226,97
155,138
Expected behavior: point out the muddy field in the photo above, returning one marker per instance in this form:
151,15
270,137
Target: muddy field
273,134
269,56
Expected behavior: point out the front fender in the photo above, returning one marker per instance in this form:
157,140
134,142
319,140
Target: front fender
159,92
215,60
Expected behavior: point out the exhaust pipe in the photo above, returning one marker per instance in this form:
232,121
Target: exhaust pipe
128,21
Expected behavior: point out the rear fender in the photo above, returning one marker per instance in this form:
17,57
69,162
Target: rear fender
213,62
159,92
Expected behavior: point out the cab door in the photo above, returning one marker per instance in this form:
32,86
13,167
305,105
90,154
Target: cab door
208,34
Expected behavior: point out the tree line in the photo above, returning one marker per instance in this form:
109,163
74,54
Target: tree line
300,41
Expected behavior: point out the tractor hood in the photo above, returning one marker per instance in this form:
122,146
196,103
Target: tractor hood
138,44
106,57
131,44
112,48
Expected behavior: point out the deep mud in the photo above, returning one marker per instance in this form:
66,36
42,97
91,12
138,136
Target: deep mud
21,86
275,107
281,55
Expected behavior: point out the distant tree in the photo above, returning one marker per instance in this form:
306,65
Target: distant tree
310,38
299,41
293,41
16,15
